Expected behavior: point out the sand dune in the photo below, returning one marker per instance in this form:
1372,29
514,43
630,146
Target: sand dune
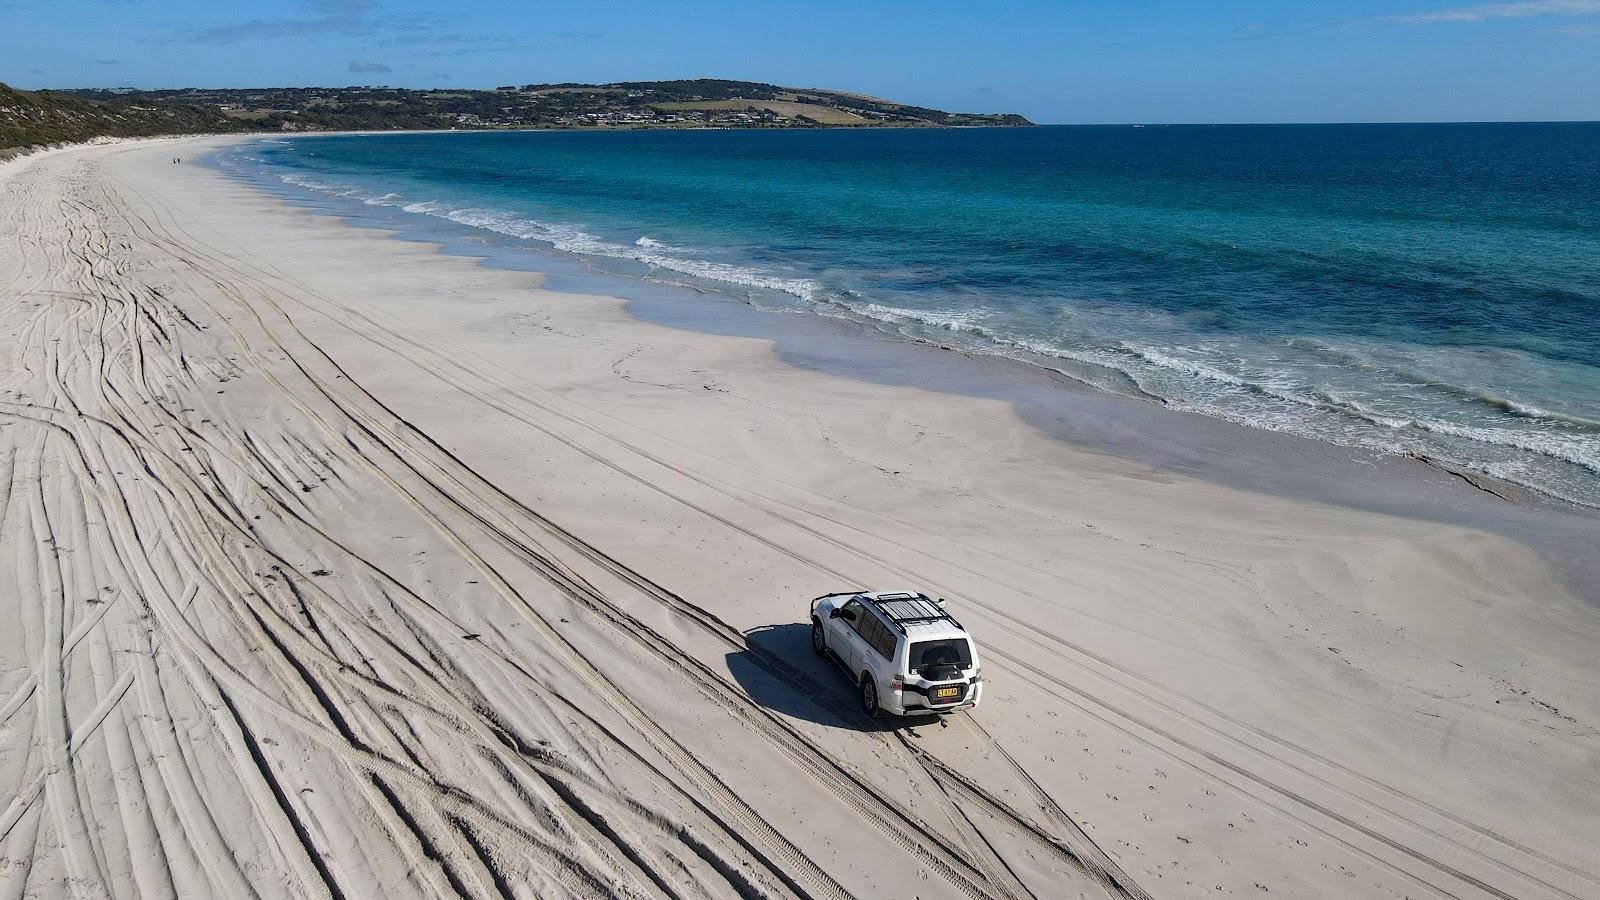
341,568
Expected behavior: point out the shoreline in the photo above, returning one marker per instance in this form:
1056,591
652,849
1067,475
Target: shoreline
390,572
1144,429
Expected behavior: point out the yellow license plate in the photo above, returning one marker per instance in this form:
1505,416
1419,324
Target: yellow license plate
947,692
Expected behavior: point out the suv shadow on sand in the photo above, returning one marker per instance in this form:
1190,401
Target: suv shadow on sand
780,672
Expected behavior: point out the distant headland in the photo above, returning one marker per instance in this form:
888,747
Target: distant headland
29,118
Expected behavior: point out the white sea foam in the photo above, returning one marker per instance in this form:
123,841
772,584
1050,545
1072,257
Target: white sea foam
1582,452
309,183
648,251
1091,366
571,239
958,320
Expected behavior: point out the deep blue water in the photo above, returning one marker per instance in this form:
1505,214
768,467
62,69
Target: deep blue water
1426,289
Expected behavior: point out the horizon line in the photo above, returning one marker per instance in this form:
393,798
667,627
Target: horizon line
1121,124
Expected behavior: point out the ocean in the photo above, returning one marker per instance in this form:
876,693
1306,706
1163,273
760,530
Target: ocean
1431,290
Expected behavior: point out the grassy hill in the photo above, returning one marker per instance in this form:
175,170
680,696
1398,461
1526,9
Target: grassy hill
29,118
44,117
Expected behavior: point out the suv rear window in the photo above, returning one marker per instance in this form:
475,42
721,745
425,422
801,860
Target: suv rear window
946,651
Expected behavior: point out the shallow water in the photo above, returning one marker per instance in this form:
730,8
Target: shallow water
1427,289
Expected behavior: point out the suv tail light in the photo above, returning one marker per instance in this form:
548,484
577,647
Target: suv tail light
896,683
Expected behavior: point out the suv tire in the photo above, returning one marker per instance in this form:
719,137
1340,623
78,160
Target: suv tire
819,643
869,697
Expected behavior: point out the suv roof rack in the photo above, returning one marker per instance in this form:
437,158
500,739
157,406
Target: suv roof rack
904,609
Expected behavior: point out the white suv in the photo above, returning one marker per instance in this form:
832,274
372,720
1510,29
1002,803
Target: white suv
907,655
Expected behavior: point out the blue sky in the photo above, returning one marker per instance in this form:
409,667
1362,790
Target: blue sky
1361,60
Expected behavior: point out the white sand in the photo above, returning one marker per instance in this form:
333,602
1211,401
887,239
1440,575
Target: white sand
340,567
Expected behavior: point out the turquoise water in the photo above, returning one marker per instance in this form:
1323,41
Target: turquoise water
1425,289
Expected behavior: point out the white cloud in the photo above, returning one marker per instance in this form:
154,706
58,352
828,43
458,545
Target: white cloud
1523,10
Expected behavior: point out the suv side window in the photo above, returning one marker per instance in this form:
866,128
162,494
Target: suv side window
885,642
853,612
875,633
867,627
862,621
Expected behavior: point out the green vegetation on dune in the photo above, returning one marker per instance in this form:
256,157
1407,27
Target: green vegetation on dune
47,117
29,118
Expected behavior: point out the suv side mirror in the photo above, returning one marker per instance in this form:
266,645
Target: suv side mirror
840,614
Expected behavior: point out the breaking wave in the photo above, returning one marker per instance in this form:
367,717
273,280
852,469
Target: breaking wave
572,239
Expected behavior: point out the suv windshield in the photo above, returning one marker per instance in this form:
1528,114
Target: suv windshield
944,652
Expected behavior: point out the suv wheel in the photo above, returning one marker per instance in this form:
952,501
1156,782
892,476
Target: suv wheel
869,696
819,644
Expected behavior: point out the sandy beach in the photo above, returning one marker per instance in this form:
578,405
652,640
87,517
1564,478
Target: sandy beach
339,567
